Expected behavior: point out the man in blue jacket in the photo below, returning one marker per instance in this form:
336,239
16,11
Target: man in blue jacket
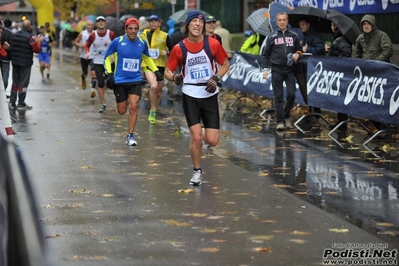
127,52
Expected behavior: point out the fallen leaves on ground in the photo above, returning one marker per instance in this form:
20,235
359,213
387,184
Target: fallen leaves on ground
348,138
301,233
339,230
331,192
391,233
261,238
107,195
209,250
95,232
218,240
108,239
86,167
208,231
301,192
281,186
263,250
269,221
176,223
298,241
387,148
101,211
196,214
264,173
75,205
48,206
187,190
54,236
385,224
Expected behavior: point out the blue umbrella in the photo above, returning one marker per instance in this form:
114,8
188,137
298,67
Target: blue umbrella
259,21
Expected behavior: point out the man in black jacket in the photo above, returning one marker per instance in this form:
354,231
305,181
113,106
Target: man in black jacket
24,45
341,47
282,49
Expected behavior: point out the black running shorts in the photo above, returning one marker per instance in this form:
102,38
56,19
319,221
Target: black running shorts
205,110
122,91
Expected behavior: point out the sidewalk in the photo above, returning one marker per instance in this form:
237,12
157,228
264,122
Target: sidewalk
103,203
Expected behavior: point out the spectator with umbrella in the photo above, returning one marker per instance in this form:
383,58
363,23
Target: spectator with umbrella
341,47
313,44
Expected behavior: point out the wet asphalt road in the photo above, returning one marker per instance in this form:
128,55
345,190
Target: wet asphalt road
266,199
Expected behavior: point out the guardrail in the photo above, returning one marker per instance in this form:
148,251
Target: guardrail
21,237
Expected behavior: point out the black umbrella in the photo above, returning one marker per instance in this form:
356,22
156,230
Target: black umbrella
315,16
115,25
346,26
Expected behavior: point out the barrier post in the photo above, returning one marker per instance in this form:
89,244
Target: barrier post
5,119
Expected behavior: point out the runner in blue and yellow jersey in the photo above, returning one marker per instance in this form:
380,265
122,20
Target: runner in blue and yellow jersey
159,45
128,52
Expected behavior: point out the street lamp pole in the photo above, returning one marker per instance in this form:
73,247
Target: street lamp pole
173,2
117,10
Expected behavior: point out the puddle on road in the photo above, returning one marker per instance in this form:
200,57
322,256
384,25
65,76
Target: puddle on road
359,184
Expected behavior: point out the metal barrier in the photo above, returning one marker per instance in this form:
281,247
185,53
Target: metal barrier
21,237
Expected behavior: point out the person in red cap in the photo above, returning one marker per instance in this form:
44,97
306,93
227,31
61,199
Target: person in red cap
100,40
159,44
128,52
198,56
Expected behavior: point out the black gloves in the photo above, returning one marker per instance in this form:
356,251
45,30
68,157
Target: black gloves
212,84
178,79
110,80
159,75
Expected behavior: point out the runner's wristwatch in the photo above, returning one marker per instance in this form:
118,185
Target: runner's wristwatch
218,76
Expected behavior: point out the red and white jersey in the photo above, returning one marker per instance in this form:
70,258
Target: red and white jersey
100,45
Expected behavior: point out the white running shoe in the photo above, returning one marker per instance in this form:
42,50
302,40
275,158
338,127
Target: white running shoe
130,140
196,178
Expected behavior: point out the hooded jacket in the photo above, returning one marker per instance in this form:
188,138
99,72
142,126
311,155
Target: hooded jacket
375,45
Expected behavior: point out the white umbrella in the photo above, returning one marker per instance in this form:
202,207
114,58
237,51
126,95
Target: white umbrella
259,22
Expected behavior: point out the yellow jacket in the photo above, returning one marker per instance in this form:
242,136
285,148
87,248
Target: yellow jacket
158,44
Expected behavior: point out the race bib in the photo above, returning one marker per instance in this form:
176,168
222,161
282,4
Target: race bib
131,65
101,52
199,74
44,50
154,53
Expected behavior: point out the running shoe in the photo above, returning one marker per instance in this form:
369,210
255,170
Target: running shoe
43,80
280,126
103,107
23,106
93,93
130,140
12,106
48,75
83,84
152,117
196,178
